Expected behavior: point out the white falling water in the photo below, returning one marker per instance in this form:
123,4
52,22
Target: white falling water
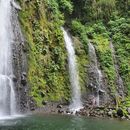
7,94
99,76
76,104
99,85
120,84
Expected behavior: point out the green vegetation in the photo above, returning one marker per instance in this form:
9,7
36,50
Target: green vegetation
106,60
120,31
96,20
41,22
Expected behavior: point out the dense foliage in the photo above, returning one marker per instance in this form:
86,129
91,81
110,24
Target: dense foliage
47,75
97,20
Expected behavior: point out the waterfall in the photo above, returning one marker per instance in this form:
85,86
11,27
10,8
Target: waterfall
96,75
7,94
76,104
119,81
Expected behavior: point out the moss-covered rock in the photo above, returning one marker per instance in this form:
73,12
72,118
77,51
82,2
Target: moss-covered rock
41,23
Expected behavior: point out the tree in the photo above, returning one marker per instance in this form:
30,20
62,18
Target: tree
123,6
89,10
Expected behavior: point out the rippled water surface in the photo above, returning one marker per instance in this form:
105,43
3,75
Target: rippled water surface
57,122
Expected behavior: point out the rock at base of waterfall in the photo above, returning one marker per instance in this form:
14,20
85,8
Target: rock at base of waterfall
120,112
128,110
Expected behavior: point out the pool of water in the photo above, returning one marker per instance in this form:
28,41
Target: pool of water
57,122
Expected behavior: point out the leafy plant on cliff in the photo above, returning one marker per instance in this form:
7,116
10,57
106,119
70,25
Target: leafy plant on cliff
47,75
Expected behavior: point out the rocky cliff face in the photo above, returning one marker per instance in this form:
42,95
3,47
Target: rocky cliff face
45,67
47,58
19,64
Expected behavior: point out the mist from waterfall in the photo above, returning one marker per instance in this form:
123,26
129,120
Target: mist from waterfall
76,104
97,73
7,93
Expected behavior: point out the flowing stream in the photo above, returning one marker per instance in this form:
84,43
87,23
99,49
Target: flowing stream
7,94
74,79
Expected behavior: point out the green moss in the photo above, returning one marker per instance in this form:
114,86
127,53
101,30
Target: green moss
120,30
82,60
79,30
105,58
47,55
41,21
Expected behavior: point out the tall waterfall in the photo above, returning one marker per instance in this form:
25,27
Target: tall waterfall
96,81
74,79
7,94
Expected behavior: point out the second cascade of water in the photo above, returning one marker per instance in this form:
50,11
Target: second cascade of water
7,93
119,81
76,104
97,74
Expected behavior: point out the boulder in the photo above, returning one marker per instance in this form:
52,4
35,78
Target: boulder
110,113
59,106
44,102
14,78
24,78
128,110
60,111
120,112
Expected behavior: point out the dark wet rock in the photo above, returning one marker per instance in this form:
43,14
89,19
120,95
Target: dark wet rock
24,74
32,108
76,113
68,111
83,112
128,110
44,102
128,117
110,113
19,62
47,91
96,84
101,91
60,111
42,94
14,78
24,78
120,112
32,104
59,106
